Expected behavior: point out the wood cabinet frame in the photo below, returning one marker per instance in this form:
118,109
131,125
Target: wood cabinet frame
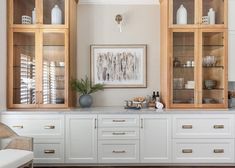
167,27
69,30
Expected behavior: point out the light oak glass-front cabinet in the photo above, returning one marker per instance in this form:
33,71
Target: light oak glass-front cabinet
40,54
194,55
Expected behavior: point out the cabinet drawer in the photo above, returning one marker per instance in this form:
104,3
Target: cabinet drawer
48,151
203,151
203,126
118,121
118,133
118,151
36,126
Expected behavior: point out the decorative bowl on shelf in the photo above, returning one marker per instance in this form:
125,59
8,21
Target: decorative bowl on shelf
210,84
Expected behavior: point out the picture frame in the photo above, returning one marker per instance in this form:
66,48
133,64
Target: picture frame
119,66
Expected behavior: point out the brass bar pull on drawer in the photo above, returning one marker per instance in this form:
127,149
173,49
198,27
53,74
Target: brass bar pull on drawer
18,126
187,126
49,151
119,133
187,151
218,150
218,126
49,127
119,120
114,151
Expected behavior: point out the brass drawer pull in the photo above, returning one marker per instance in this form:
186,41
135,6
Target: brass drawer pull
218,126
49,151
49,127
18,126
119,133
218,150
187,151
119,120
187,126
114,151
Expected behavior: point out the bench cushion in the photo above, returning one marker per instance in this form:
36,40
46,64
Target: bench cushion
13,158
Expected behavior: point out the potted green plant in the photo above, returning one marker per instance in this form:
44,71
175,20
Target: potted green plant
85,88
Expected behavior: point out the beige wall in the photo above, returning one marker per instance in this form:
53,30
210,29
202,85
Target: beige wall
3,54
96,25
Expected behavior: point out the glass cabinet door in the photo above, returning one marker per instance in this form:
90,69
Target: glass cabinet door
22,11
54,12
24,68
215,10
183,65
40,12
54,68
213,71
179,6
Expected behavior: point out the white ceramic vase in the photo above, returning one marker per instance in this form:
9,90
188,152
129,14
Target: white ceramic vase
211,16
181,17
34,16
56,15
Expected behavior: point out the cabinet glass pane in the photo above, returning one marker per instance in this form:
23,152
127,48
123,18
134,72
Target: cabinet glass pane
217,6
48,6
213,67
53,68
190,7
183,67
23,8
24,68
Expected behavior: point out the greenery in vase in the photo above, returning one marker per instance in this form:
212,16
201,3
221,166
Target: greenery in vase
84,86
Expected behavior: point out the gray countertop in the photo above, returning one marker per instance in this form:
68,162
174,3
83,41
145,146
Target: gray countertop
118,110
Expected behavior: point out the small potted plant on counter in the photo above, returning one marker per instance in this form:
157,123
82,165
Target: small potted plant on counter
85,88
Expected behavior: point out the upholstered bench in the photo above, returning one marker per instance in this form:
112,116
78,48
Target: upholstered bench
14,158
18,153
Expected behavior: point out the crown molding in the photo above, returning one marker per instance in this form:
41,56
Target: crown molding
119,2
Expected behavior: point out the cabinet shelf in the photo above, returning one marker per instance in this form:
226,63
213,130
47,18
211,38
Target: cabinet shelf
184,89
216,89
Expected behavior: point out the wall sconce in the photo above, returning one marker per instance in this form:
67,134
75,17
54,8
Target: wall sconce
119,19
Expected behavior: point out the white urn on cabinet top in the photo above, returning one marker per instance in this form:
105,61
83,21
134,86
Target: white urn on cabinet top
181,17
56,15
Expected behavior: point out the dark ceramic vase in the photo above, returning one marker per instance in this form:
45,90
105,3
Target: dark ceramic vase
85,101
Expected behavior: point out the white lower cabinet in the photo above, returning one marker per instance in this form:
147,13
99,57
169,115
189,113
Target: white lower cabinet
81,139
77,139
203,151
48,151
155,139
118,151
47,131
204,138
118,140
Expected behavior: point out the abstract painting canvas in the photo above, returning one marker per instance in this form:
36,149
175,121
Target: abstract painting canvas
119,66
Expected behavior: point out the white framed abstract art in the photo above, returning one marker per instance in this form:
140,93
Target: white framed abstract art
119,66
